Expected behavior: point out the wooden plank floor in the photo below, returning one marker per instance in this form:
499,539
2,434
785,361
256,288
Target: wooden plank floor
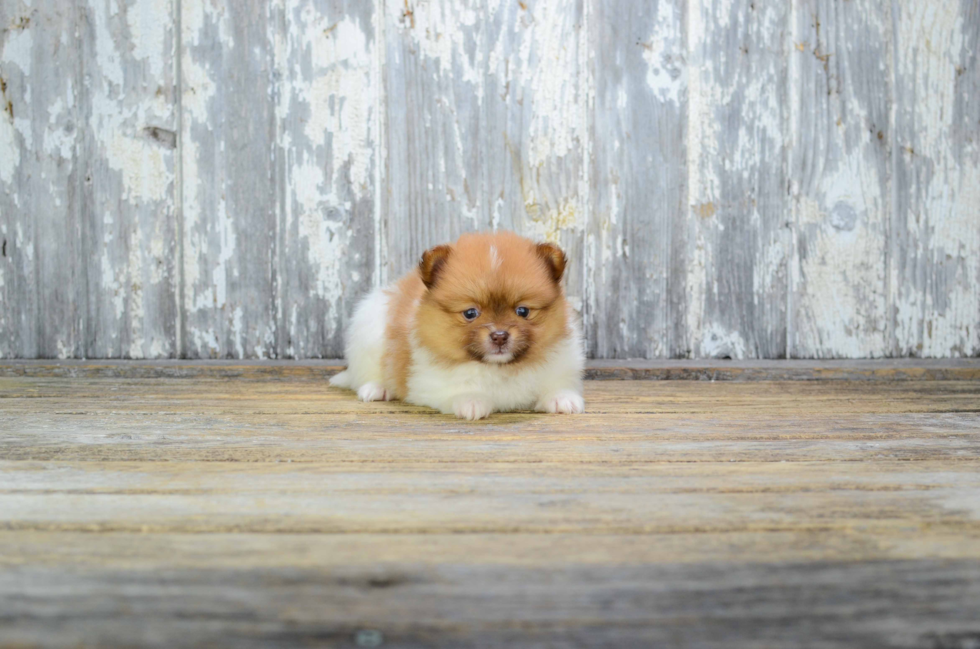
271,510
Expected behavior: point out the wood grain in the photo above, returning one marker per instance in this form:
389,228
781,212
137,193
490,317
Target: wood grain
830,604
637,237
434,92
127,204
935,259
42,277
737,232
326,144
730,178
229,188
264,510
841,179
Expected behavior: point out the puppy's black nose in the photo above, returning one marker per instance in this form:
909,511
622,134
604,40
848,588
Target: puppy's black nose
499,337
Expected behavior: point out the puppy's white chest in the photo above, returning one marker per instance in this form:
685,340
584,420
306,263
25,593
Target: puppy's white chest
433,384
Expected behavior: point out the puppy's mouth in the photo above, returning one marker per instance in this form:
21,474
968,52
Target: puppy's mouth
509,352
498,356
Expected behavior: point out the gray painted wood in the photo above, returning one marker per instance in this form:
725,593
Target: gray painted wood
41,281
128,122
229,190
327,109
728,179
935,256
535,99
840,178
637,235
738,224
434,147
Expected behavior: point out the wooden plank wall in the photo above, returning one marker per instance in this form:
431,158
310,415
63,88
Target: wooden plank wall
743,178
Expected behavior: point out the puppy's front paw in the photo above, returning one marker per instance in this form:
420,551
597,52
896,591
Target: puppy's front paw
374,392
565,402
471,408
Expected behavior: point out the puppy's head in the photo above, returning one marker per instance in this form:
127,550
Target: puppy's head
494,298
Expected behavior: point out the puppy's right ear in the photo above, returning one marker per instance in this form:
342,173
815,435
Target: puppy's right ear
432,262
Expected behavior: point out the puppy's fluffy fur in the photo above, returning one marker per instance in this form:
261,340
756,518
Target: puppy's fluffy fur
480,326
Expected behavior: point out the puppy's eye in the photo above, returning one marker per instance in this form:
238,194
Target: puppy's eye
471,314
523,311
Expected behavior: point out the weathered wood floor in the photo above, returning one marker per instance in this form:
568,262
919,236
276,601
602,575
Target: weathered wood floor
275,511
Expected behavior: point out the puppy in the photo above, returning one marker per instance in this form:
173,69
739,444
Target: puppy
480,326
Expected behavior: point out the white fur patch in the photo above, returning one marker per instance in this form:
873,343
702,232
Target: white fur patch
365,344
494,258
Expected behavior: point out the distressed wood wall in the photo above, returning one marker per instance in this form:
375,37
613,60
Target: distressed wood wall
744,178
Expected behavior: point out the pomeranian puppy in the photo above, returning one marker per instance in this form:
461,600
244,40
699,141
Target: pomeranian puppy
480,326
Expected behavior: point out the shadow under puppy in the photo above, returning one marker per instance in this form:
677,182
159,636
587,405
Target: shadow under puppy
480,326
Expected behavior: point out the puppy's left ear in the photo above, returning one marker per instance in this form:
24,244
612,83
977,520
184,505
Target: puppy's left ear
432,262
554,258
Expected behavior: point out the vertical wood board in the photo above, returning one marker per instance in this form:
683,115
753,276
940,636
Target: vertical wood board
840,176
637,235
434,146
935,256
128,123
229,199
327,101
42,285
737,225
535,99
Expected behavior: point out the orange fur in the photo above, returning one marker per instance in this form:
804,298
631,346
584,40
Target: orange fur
493,272
403,300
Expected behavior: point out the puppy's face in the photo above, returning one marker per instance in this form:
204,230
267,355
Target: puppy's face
492,298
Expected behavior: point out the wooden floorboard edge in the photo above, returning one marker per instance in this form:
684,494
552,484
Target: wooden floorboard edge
966,369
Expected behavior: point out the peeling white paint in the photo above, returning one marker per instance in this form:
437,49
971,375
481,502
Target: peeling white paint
238,332
198,90
664,53
555,130
327,67
718,342
441,30
198,86
106,54
938,318
340,97
135,294
192,242
144,171
145,19
327,88
700,187
9,150
18,49
324,238
842,271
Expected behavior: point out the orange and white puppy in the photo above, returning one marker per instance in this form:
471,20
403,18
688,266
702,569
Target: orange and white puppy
480,326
